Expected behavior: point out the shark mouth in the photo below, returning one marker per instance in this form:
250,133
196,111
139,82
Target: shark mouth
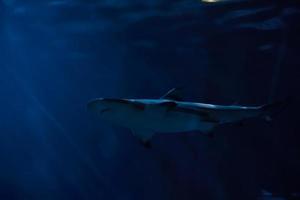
105,110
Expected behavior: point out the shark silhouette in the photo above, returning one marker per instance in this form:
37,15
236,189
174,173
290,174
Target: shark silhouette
169,114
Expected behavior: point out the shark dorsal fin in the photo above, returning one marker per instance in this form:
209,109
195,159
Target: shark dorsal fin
173,94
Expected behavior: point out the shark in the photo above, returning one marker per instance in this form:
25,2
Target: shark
170,114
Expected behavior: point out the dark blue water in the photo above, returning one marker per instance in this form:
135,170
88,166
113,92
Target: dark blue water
57,55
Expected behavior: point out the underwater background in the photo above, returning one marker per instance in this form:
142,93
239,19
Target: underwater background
56,55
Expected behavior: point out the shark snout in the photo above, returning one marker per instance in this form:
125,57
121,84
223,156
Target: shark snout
96,105
110,105
100,105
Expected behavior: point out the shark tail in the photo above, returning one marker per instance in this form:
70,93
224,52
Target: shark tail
272,109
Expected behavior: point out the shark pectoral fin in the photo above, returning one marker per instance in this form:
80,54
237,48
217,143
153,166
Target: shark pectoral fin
211,134
143,135
208,129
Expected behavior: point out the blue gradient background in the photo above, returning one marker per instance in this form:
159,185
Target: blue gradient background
57,55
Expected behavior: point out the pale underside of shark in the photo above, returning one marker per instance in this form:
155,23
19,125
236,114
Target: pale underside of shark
169,114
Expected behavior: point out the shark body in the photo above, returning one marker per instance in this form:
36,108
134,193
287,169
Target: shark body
169,114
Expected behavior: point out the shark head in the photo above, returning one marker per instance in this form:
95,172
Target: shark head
98,106
105,105
118,110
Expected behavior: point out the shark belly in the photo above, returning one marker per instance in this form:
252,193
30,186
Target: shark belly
168,122
183,122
